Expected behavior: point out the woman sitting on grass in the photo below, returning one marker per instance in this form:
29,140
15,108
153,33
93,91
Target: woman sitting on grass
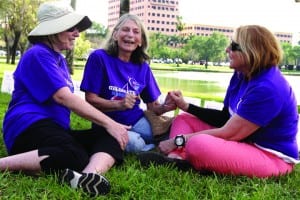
255,133
36,126
118,77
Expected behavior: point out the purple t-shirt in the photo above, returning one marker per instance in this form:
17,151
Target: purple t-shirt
39,74
268,101
112,78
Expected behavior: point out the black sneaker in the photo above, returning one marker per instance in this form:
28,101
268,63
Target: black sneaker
92,183
146,158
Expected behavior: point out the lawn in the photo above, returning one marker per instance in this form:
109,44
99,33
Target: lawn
131,181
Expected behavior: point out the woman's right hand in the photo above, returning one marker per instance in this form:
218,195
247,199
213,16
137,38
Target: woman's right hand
79,106
128,101
119,132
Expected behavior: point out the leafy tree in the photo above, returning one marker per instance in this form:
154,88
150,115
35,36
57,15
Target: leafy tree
296,54
96,34
210,48
157,45
82,47
194,48
214,47
18,18
153,45
165,52
217,43
287,53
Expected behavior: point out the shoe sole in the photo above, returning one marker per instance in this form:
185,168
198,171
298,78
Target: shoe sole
94,184
91,183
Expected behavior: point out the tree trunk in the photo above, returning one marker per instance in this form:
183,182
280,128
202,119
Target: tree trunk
6,47
70,53
13,48
124,7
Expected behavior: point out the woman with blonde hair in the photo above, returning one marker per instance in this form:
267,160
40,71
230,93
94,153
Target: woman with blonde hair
255,133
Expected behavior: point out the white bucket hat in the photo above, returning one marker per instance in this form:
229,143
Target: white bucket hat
57,16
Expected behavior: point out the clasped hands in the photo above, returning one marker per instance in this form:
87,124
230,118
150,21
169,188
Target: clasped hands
175,99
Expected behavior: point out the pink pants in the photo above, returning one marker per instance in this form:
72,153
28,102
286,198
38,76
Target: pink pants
223,156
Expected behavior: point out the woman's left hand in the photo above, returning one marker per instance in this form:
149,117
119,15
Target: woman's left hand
169,103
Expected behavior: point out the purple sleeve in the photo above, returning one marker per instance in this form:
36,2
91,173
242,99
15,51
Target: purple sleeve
92,71
260,105
43,74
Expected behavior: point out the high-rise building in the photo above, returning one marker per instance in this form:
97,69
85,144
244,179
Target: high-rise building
161,16
156,15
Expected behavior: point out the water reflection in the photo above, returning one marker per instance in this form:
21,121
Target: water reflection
206,83
190,86
194,82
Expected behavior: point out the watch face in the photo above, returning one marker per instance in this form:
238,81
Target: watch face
179,140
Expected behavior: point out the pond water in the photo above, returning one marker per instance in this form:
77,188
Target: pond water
206,83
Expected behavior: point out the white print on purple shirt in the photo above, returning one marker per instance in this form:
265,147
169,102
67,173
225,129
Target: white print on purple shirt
119,93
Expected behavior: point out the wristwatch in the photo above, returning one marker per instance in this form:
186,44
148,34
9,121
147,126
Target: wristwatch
179,141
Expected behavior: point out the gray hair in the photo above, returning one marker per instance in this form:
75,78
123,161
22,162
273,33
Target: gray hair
139,55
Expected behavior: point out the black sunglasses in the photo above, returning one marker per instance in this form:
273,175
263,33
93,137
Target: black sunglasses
234,46
72,29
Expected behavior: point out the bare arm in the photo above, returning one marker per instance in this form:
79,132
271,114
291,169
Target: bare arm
64,97
236,129
111,105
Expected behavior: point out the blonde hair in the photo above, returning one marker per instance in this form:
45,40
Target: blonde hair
260,48
140,53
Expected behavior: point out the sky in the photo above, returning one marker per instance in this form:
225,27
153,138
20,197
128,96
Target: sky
277,15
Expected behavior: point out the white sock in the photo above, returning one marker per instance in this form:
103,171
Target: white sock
74,181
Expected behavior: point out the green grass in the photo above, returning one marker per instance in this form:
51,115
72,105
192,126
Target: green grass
131,181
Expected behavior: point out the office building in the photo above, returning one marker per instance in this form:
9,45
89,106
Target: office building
161,16
156,15
207,30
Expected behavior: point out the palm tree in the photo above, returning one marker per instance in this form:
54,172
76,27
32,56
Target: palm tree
179,27
124,7
179,24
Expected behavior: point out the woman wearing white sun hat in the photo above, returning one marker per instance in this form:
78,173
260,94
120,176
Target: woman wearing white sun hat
36,127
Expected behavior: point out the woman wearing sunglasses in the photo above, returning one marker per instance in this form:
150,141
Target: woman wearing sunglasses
255,133
36,126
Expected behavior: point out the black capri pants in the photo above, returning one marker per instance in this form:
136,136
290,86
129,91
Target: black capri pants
66,148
